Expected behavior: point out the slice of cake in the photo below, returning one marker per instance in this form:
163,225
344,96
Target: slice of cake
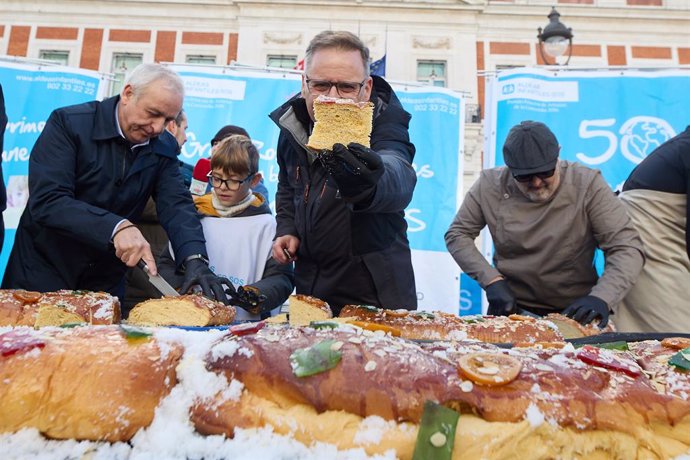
185,310
571,329
340,121
304,309
37,309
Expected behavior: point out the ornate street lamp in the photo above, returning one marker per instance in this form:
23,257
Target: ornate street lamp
555,40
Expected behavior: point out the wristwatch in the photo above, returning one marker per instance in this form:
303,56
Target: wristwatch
202,257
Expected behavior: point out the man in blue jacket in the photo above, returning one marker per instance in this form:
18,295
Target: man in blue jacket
340,213
91,172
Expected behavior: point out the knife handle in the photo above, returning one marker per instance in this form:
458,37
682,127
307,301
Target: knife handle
141,264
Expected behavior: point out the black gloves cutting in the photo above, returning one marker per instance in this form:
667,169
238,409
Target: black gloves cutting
585,309
246,297
355,169
196,271
501,299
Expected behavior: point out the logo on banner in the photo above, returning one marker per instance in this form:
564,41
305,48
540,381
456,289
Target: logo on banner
540,90
640,135
215,88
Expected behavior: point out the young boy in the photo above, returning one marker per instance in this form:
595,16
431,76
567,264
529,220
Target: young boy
239,230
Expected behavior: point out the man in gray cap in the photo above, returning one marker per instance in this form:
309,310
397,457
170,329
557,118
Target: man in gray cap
546,217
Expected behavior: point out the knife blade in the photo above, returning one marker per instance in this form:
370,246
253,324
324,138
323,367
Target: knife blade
158,281
523,312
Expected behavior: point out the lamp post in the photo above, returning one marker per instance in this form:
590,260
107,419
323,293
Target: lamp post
555,40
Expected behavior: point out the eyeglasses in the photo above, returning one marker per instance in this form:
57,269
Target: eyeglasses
344,88
230,184
528,177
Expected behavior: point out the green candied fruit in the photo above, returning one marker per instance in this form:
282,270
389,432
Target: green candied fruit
323,324
681,359
423,314
316,359
472,319
436,435
134,333
71,325
619,345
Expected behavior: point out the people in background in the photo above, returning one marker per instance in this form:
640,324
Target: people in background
232,213
178,128
546,217
656,198
91,172
341,215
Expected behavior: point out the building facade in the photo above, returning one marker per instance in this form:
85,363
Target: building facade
450,43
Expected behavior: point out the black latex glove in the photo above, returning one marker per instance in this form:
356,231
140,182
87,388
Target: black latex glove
197,272
586,309
355,169
501,299
246,297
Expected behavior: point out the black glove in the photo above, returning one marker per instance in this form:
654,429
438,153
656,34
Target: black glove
355,169
246,297
585,309
196,271
501,299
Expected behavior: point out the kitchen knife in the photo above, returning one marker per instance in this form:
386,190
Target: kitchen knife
158,281
523,312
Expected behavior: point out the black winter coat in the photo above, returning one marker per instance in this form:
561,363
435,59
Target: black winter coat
347,254
83,180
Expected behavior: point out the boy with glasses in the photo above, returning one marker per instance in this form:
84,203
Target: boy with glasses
239,229
340,213
546,217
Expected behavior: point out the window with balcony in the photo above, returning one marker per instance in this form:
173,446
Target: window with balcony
432,72
123,64
56,56
200,59
282,61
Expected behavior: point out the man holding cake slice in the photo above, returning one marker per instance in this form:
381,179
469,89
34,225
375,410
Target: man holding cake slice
342,195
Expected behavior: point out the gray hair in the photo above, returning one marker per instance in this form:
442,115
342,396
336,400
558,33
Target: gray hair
341,40
180,116
145,75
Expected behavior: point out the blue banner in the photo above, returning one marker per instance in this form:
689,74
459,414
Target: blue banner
604,119
31,93
607,120
217,96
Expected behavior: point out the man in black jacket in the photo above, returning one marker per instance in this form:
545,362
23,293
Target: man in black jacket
91,172
340,213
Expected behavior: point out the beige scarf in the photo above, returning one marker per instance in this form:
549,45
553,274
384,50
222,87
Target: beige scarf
229,211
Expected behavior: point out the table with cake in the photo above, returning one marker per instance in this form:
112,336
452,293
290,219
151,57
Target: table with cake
376,382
